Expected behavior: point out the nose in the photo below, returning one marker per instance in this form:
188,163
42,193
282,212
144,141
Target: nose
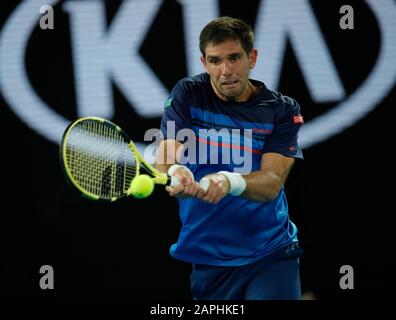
226,70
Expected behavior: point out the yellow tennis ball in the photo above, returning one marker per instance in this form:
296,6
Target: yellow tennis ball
141,187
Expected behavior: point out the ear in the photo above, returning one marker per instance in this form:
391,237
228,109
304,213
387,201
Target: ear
253,58
204,63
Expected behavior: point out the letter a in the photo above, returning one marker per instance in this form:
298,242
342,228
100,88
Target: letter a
346,281
47,280
47,20
346,21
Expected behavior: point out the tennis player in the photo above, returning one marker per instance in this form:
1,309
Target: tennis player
237,235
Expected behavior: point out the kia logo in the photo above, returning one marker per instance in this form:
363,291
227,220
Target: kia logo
104,54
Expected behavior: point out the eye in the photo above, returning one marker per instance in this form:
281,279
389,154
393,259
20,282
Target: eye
214,61
235,58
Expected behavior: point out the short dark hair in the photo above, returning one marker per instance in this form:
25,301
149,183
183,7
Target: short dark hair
226,28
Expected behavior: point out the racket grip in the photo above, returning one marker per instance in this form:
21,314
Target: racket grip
204,183
173,181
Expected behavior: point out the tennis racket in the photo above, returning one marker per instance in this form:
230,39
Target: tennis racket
101,161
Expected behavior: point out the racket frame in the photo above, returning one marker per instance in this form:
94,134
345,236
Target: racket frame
157,176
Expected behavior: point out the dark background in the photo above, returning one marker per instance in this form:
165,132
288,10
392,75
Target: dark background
339,197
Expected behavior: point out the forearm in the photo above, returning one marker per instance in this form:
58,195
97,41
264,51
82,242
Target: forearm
263,185
162,167
166,155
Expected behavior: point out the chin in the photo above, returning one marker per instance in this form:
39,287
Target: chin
231,98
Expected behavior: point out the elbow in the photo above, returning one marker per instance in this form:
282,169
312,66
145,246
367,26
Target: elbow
266,195
272,193
267,190
274,188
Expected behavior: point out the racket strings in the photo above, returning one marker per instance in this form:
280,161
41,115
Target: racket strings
99,159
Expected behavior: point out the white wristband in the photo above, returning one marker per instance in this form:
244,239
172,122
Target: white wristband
237,182
174,167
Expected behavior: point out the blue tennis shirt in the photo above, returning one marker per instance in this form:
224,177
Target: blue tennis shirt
232,136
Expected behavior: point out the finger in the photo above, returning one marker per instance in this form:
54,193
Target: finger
216,192
209,193
200,193
220,196
170,191
192,189
203,188
175,190
182,178
189,190
204,183
214,195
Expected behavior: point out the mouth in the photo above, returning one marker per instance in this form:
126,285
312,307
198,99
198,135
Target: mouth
229,83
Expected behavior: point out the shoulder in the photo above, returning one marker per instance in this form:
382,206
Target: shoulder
188,90
192,90
190,83
285,104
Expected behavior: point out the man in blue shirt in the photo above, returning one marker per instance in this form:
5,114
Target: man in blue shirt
236,230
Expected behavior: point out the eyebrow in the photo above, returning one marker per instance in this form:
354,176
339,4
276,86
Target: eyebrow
228,56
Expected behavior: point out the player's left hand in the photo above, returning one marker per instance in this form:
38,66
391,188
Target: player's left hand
187,187
218,188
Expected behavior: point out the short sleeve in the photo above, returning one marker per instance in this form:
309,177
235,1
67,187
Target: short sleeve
176,114
283,139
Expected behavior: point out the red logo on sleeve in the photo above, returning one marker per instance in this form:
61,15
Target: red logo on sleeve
298,119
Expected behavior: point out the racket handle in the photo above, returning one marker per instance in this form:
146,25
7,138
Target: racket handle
173,181
204,183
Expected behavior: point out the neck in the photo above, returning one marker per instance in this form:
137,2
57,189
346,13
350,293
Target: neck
251,91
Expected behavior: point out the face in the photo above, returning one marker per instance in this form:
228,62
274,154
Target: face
228,66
